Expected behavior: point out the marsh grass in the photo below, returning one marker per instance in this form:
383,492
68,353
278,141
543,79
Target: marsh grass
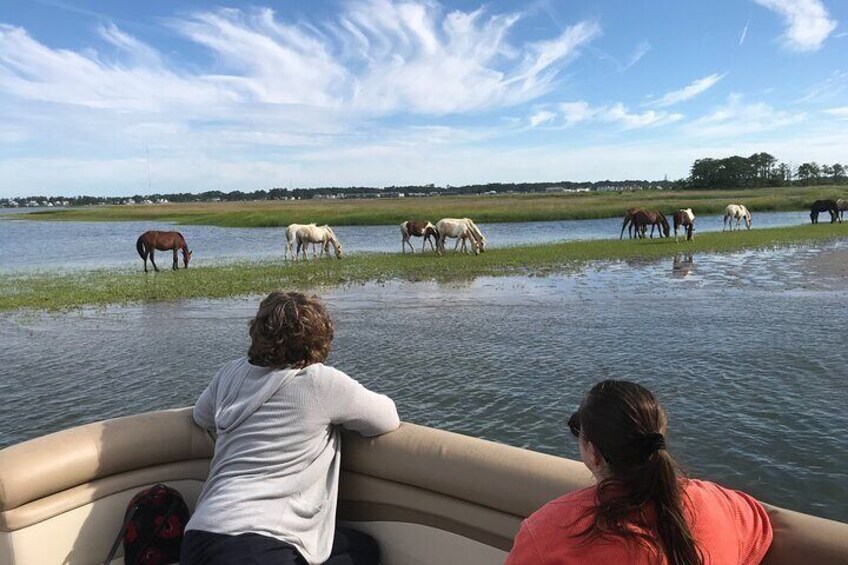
57,291
484,209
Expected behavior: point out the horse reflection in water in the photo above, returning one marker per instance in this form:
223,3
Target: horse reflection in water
682,265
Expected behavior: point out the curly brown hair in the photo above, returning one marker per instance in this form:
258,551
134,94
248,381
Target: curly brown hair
290,330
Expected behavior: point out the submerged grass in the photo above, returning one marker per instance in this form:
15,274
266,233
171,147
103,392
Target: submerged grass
484,209
46,291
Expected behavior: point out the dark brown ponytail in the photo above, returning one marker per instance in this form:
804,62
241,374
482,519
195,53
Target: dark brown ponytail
627,425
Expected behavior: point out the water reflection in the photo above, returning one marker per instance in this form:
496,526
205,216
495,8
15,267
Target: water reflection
681,265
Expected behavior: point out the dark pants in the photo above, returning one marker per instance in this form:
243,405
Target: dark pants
206,548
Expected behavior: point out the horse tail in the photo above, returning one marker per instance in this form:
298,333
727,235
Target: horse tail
140,247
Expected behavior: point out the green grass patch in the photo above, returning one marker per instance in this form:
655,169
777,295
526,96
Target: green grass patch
484,209
46,291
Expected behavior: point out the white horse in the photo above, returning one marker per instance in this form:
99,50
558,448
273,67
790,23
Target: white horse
736,212
317,234
291,239
462,229
841,206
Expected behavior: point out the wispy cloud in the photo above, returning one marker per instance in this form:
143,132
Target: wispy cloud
841,112
828,89
640,51
736,117
807,22
572,113
688,92
744,33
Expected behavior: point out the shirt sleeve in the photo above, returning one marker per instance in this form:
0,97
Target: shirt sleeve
524,549
754,527
204,409
349,404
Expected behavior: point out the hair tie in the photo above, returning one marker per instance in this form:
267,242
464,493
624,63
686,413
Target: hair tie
654,441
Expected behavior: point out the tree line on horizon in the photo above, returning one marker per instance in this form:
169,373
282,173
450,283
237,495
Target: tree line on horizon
758,170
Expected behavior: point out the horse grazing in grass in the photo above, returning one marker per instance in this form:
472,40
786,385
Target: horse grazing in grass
644,218
418,228
829,206
842,205
317,234
150,241
291,239
628,222
736,212
684,218
463,229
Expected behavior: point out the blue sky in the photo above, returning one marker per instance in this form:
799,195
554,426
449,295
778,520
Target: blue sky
376,92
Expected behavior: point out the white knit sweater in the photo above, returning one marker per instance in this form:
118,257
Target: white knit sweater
276,466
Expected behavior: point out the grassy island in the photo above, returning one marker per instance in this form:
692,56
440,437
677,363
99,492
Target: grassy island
484,209
56,291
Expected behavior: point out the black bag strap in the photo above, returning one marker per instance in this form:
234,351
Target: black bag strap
121,534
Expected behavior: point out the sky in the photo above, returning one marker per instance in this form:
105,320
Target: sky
117,98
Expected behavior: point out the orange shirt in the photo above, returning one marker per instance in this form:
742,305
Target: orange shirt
729,526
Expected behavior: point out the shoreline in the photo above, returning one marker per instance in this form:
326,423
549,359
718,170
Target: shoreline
69,290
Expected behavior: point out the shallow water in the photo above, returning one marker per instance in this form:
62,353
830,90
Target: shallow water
746,350
28,245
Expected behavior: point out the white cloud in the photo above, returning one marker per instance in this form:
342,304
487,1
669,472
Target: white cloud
807,22
744,33
736,118
573,113
641,50
841,112
541,117
688,92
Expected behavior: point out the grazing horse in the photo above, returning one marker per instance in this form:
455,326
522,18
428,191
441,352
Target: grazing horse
317,234
824,206
291,239
628,223
686,219
463,229
152,240
418,228
644,218
842,205
736,212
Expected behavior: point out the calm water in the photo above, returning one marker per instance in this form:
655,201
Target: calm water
27,245
746,350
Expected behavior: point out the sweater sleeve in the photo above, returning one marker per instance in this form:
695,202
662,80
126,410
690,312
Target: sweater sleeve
753,527
353,406
204,409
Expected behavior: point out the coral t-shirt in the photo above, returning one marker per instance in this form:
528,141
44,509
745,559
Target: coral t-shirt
729,527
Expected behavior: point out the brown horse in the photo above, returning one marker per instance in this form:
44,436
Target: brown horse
163,241
628,222
644,218
418,228
686,219
829,206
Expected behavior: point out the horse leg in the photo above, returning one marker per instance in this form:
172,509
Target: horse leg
144,258
152,262
176,265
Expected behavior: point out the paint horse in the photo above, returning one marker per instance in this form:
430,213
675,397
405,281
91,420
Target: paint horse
628,223
317,234
418,228
842,205
684,218
644,218
463,229
820,206
736,212
150,241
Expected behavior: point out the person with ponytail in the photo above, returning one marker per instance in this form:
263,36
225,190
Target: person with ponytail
642,509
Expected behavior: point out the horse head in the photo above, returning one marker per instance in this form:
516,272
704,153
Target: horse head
186,256
337,247
665,227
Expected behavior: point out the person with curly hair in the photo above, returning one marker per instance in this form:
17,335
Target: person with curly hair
273,483
642,509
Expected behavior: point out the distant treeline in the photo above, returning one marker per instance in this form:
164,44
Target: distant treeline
352,192
761,169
